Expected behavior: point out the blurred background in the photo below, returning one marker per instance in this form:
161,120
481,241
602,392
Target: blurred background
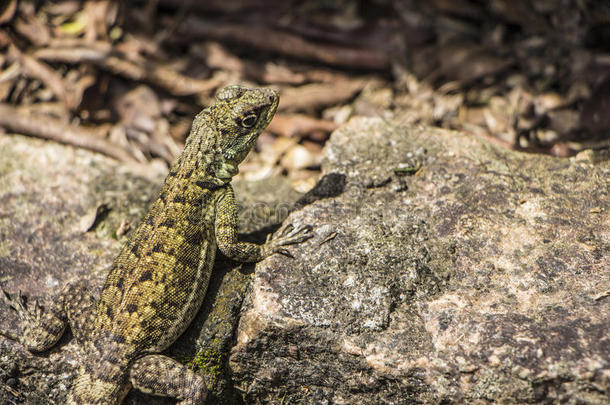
125,78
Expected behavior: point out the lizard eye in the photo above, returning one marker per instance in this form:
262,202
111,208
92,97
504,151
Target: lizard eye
249,121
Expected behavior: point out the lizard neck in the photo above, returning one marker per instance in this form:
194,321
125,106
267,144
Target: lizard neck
201,158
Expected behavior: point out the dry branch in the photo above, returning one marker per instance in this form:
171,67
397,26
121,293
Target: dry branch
7,10
168,79
41,71
318,95
15,120
270,40
293,125
28,24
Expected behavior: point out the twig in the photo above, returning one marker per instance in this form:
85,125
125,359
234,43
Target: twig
29,25
318,95
41,71
168,79
7,10
266,39
299,124
13,119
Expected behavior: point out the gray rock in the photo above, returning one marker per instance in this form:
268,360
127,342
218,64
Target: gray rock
443,270
60,209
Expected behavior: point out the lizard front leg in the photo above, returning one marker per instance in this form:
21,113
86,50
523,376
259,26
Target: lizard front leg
226,233
43,326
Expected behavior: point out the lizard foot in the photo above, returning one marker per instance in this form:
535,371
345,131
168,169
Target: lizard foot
19,304
288,235
41,329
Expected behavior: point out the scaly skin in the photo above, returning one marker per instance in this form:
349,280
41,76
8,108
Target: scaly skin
157,283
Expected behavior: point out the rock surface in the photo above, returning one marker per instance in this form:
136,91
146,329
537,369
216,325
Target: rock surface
443,270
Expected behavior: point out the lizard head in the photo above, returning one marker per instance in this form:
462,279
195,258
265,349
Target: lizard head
241,114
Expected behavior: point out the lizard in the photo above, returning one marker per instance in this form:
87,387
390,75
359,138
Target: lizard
157,283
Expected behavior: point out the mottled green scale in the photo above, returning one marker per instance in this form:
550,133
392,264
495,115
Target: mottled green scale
157,283
155,288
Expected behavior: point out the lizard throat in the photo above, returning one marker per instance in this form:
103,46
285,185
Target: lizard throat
226,171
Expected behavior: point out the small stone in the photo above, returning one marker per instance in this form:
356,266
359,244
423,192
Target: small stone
298,157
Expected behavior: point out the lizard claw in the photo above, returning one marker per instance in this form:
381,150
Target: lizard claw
286,230
38,310
6,298
303,233
19,303
22,298
15,303
39,329
289,235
